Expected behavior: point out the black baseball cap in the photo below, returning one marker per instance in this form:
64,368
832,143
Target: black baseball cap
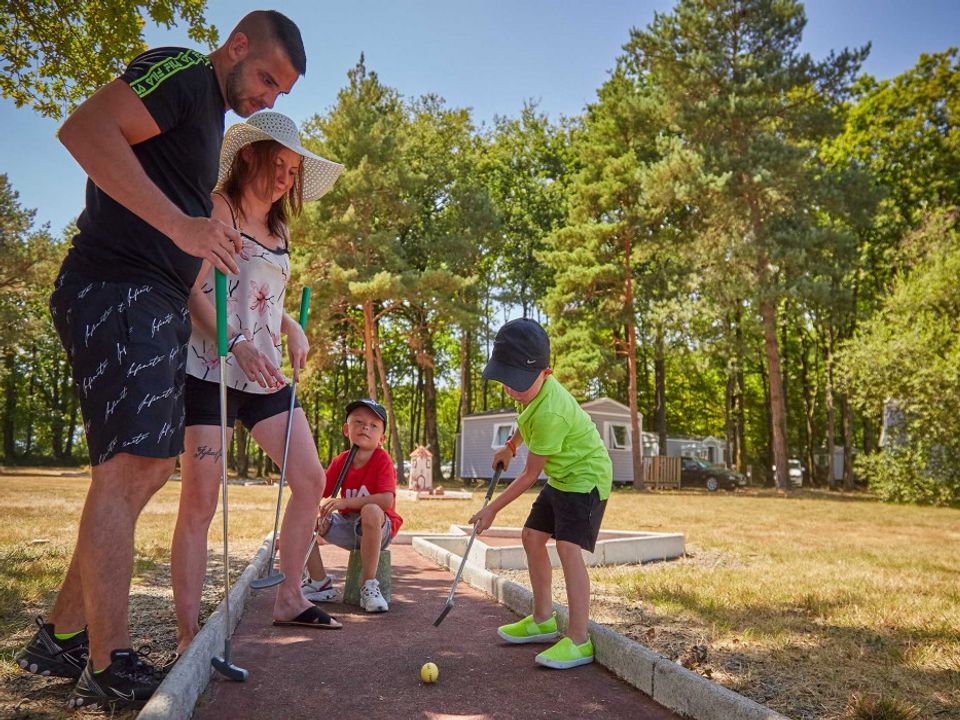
521,350
369,405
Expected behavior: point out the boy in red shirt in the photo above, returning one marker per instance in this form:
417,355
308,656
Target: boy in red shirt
364,516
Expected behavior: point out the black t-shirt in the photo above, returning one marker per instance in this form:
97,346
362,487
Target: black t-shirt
179,88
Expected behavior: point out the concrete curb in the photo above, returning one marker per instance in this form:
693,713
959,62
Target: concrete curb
673,686
178,693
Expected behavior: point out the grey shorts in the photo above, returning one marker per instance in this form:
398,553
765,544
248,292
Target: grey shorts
345,531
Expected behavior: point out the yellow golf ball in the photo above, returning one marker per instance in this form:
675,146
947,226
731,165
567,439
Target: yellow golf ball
429,672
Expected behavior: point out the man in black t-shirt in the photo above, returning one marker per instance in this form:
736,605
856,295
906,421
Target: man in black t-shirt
150,144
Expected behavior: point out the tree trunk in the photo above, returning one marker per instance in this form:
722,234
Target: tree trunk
395,447
31,369
10,407
315,416
660,383
778,410
869,443
831,413
643,374
243,458
636,444
369,329
768,452
430,420
809,402
57,410
740,412
72,425
466,394
466,384
729,432
847,413
417,436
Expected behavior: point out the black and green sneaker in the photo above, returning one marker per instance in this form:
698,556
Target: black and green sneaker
128,682
46,655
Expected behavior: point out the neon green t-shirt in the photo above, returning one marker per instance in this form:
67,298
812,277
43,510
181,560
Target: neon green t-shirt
555,426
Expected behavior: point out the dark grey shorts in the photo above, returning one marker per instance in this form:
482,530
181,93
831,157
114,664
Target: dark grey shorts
569,516
345,531
127,347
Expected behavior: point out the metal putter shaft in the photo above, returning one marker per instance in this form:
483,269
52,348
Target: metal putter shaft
336,490
463,561
222,664
275,578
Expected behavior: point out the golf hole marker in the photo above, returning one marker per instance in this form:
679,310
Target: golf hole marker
429,672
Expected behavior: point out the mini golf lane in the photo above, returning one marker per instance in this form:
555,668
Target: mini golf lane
371,668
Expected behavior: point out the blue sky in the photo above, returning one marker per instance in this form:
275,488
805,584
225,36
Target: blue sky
488,55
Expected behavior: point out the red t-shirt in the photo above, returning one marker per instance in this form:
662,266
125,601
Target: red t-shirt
376,476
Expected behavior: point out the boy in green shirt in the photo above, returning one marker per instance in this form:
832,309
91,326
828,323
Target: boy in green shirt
563,442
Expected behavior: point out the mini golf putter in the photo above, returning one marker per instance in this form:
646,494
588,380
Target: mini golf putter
463,561
275,578
222,664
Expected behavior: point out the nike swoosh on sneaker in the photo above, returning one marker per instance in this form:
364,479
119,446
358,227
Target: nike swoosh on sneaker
129,697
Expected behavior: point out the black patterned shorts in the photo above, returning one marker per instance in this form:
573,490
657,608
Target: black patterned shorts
127,347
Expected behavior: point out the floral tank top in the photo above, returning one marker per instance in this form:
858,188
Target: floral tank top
254,307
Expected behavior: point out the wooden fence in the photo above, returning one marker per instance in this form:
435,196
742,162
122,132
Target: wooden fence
661,471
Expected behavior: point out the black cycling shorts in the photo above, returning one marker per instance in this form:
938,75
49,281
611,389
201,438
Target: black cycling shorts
569,516
203,404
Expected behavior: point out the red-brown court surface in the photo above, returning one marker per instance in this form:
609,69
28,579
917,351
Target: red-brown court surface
371,668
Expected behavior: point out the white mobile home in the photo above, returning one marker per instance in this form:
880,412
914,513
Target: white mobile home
709,448
715,449
484,433
686,447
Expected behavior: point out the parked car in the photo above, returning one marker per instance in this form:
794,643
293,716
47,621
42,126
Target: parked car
695,472
795,472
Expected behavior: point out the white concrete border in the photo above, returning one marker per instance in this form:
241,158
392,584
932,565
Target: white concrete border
177,695
673,686
614,547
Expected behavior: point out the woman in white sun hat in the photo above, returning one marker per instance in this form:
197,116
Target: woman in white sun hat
265,177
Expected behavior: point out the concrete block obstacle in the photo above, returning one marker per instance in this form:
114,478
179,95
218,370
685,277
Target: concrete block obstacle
351,585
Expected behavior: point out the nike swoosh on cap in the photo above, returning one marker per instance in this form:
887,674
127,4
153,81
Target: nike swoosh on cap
530,362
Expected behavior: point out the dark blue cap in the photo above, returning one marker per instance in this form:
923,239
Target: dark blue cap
369,405
521,351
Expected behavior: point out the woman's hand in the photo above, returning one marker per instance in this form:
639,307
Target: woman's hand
297,346
257,367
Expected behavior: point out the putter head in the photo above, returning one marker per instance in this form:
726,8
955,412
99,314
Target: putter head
228,669
268,581
446,610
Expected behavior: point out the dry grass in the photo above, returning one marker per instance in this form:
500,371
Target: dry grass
819,606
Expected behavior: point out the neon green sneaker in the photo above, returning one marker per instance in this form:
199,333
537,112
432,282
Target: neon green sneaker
565,654
527,631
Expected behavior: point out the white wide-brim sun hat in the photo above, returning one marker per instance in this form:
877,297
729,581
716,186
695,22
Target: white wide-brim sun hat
319,174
